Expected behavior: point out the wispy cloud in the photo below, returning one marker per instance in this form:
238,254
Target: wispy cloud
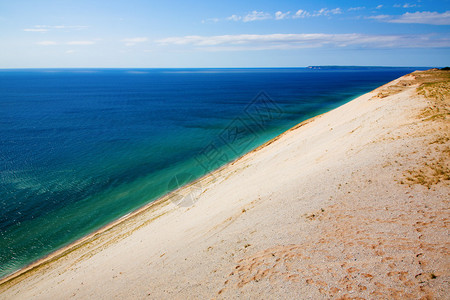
45,28
133,41
379,6
317,13
294,41
380,17
35,30
356,8
80,43
406,5
280,15
211,20
327,12
234,18
424,17
301,14
256,16
74,27
72,43
47,43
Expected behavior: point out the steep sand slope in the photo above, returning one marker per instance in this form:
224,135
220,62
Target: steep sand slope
353,203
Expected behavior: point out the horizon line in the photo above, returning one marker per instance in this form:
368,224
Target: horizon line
303,67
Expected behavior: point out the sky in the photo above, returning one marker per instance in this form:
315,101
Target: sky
227,33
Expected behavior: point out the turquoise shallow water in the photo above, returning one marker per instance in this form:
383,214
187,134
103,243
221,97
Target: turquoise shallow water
81,148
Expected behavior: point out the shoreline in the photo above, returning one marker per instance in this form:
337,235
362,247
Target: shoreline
61,252
140,194
233,218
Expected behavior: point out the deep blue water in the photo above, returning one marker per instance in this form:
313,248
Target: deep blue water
80,148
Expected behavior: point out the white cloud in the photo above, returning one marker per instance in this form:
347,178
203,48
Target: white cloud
294,41
35,30
45,28
81,43
327,12
133,41
336,11
380,17
211,20
280,15
234,18
356,8
424,17
406,5
76,27
379,6
70,51
47,43
319,12
256,16
301,14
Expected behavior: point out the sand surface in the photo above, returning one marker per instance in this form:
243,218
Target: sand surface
353,203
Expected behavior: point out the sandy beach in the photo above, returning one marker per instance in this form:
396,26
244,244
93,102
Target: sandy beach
352,204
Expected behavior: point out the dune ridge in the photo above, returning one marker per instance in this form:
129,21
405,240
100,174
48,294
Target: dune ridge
353,203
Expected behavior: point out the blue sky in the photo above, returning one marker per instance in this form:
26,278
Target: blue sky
138,33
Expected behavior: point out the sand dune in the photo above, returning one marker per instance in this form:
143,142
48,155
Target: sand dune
353,203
